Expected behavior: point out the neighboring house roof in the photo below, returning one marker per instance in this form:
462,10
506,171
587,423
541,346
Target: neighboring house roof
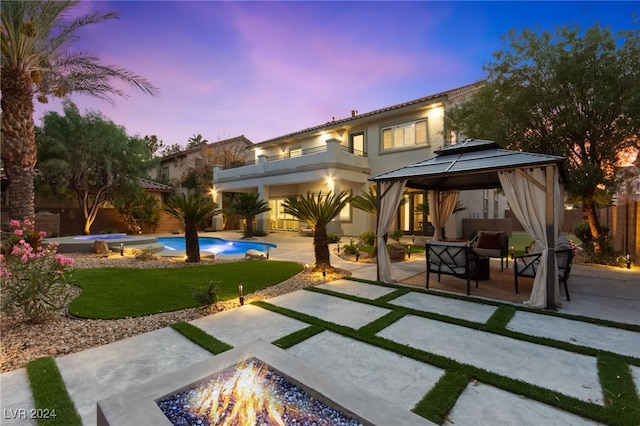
150,185
449,94
199,148
471,164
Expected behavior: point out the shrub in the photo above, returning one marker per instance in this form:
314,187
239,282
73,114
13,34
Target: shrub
333,238
397,234
260,233
146,253
351,249
583,232
368,238
35,279
206,294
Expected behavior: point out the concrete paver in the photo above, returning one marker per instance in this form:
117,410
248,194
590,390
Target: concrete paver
100,372
16,399
356,288
566,372
469,311
635,373
581,333
398,379
481,401
329,308
248,323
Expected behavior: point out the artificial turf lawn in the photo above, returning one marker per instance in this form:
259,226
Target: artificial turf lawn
111,293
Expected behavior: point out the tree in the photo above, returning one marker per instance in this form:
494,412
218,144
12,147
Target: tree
196,140
191,210
137,208
569,93
87,155
248,205
36,59
317,211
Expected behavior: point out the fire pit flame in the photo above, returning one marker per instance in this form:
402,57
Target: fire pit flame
250,393
239,398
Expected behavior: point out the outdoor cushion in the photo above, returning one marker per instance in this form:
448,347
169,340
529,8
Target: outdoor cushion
489,240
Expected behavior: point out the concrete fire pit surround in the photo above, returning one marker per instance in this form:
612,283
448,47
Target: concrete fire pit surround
137,405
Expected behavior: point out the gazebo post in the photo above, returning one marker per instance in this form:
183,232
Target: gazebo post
551,237
378,206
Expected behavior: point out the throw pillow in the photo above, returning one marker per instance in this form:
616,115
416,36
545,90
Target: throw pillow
489,240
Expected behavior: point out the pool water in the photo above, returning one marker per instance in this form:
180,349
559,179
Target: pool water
216,245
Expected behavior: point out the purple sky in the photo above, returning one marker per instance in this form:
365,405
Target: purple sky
265,69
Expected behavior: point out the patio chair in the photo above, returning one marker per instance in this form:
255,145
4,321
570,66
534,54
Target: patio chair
455,259
492,244
527,266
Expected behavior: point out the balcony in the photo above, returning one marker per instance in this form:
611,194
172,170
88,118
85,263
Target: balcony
333,154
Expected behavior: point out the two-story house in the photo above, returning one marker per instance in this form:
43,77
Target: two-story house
181,167
341,155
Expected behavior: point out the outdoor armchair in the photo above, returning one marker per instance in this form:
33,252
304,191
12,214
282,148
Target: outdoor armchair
527,266
492,244
455,259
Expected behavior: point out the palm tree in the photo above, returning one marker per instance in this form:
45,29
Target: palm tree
317,211
191,210
248,206
368,202
35,60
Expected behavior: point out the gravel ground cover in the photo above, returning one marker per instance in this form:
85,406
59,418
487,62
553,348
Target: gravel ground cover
61,335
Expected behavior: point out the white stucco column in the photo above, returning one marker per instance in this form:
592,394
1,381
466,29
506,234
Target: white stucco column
333,184
216,196
263,222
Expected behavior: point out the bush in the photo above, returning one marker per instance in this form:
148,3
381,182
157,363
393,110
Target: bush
35,279
397,234
368,238
583,232
260,233
206,294
351,249
333,238
146,253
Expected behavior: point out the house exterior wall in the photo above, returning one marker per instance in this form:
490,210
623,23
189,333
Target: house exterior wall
326,158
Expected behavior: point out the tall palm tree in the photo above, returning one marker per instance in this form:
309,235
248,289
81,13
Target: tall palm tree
248,205
191,210
36,60
317,211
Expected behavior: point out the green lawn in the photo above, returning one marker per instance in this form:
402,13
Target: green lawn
111,293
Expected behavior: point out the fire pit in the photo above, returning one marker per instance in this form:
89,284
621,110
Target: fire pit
258,384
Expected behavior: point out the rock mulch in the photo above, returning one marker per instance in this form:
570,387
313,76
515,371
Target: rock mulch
61,335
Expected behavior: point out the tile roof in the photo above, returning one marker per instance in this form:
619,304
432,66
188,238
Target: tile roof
446,94
154,186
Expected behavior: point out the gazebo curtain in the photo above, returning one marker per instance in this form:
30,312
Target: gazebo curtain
441,206
526,190
389,194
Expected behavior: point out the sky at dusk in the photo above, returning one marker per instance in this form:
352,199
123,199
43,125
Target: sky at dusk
265,69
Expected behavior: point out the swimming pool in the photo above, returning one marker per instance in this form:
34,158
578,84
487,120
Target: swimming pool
216,245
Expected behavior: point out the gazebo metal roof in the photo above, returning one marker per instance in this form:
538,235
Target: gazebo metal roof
471,164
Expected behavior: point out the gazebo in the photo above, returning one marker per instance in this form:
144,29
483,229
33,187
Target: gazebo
532,182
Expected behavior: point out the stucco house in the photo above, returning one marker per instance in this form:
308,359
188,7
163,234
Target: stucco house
227,153
341,155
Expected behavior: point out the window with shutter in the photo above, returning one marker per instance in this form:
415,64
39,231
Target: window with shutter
405,135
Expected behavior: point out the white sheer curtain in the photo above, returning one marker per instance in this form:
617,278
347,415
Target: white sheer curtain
441,205
525,190
390,194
